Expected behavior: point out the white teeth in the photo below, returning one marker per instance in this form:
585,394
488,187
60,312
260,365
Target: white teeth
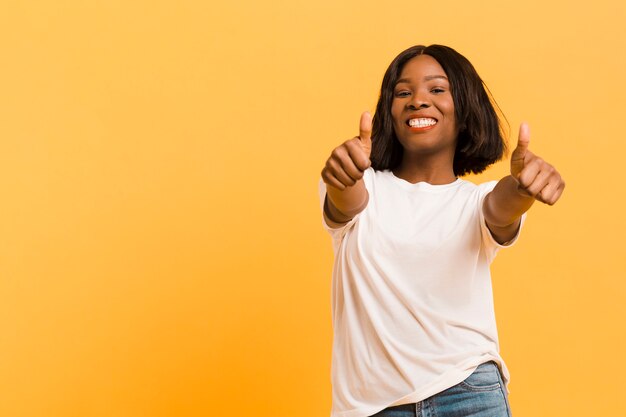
422,122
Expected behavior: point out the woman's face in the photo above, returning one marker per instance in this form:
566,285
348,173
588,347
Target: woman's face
423,109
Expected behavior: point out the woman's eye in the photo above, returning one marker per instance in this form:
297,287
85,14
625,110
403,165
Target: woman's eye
402,94
437,90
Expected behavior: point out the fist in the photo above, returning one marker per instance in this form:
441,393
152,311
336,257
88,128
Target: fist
535,177
348,161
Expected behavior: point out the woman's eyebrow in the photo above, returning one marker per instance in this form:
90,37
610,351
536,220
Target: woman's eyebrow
426,78
433,77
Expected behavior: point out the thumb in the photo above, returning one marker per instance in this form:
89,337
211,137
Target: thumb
518,155
523,140
365,132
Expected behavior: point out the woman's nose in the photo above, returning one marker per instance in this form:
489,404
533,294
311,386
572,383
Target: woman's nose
418,103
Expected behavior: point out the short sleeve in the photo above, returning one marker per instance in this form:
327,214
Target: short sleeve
490,244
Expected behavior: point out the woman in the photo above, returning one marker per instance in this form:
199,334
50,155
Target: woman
413,316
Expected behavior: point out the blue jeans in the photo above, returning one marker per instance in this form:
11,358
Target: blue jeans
482,394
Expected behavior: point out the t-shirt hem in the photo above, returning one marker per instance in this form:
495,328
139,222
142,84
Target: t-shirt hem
451,378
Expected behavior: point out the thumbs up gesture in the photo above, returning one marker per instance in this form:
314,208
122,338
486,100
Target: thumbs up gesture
348,161
535,177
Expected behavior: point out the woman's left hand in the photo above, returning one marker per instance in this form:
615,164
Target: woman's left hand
535,177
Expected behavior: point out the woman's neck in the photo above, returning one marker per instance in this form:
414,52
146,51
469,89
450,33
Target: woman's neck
435,171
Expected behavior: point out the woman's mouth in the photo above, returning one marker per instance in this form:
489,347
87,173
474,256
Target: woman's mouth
422,122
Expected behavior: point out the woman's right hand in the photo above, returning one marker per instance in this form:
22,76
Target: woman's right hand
348,161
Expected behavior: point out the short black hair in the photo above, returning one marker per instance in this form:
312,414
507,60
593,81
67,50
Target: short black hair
480,141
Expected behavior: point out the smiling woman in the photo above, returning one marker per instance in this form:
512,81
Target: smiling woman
421,102
479,135
413,313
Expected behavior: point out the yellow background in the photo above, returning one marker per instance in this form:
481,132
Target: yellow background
161,247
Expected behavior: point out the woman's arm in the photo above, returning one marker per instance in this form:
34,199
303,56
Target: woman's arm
531,179
341,206
346,195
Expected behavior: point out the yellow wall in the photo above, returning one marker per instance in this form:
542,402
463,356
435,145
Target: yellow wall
161,248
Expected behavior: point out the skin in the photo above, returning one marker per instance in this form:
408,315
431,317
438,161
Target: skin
531,179
346,195
429,155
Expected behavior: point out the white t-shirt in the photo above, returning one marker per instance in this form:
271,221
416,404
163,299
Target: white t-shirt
412,303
